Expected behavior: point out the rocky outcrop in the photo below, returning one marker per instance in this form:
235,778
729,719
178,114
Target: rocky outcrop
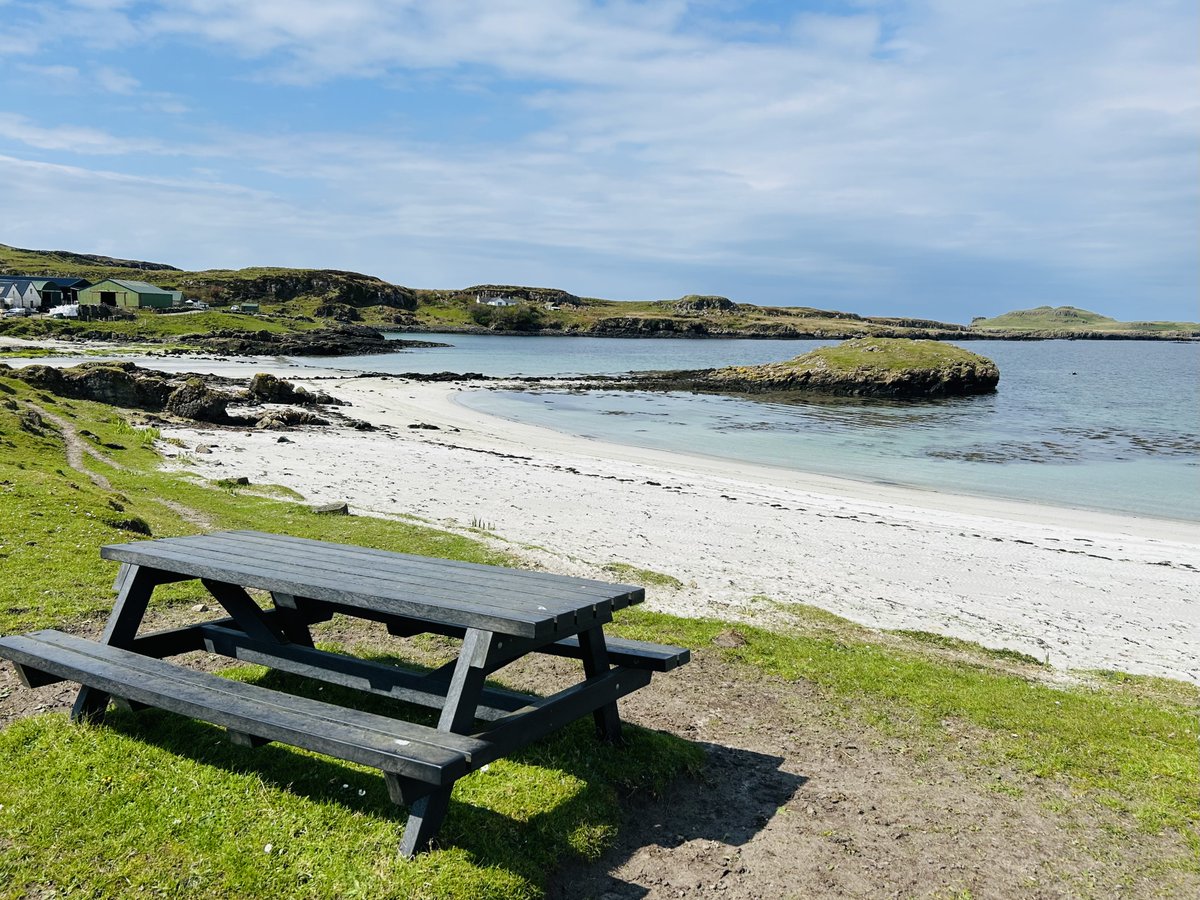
200,398
344,340
636,326
864,367
333,286
704,303
115,383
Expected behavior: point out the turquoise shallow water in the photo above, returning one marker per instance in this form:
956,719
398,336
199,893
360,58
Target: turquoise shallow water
1110,425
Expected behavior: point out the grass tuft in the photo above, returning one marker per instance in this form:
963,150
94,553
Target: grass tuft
647,577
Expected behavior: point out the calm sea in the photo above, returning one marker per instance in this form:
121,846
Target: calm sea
1111,425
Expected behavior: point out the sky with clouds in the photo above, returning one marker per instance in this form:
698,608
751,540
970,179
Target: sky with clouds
942,158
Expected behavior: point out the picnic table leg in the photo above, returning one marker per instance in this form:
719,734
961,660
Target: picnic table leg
595,662
134,585
293,623
458,715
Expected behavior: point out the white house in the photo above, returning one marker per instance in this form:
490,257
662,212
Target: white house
20,295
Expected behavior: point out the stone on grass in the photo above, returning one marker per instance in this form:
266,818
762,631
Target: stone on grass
332,509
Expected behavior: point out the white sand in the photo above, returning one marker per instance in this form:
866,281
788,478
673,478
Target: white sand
1083,589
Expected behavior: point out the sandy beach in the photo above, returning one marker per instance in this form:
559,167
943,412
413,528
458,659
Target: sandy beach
1080,589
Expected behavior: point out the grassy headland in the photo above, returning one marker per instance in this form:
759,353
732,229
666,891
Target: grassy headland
160,804
1067,321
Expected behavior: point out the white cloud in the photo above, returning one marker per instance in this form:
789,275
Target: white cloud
114,80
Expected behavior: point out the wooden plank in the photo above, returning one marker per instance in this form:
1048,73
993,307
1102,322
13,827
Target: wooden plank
558,588
384,725
310,577
631,654
134,585
322,587
348,671
378,741
173,641
366,575
605,588
426,817
361,560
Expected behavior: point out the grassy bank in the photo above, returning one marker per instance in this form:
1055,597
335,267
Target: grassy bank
156,804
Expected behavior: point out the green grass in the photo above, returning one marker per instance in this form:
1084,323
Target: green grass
885,355
29,352
952,643
158,804
148,325
647,577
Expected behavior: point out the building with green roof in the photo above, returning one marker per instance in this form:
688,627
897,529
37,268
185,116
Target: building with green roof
129,295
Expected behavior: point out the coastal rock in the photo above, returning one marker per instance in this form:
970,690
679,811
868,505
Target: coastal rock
864,367
343,340
288,418
267,388
115,383
636,326
339,312
194,399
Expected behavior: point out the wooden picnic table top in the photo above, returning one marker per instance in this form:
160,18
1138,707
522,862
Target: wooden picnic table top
470,595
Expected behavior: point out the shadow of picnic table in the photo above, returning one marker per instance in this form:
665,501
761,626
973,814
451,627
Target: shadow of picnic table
734,797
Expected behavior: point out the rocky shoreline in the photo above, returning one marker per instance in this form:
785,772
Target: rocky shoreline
264,401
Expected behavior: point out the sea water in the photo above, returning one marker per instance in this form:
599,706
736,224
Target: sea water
1109,425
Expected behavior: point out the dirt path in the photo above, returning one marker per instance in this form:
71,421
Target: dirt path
77,448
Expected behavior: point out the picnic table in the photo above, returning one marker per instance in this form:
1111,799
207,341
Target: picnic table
499,614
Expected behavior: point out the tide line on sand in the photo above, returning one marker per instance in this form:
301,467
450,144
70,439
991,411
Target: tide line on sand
1079,588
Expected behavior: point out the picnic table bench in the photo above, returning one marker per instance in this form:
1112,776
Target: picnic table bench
499,614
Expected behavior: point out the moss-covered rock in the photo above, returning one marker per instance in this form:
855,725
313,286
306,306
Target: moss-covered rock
115,383
864,367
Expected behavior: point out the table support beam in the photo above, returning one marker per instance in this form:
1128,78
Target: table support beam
134,585
595,663
458,716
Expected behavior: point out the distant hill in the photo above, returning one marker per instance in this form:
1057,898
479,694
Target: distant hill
302,298
1071,320
67,262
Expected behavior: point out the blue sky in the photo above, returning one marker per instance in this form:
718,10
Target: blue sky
939,158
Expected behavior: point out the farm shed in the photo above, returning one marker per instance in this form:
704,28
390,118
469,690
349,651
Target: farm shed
129,295
57,291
